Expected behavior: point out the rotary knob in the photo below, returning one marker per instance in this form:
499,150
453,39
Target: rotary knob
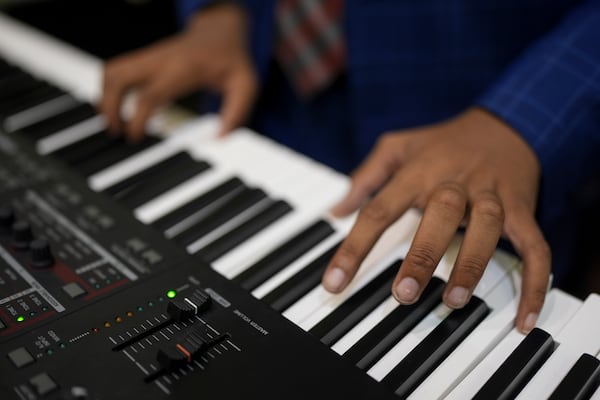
41,254
21,235
7,218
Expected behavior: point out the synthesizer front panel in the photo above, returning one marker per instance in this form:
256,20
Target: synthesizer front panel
95,305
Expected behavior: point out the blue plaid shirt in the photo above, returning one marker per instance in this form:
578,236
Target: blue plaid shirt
533,63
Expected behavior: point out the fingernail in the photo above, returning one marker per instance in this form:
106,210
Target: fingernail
530,322
457,297
334,279
406,291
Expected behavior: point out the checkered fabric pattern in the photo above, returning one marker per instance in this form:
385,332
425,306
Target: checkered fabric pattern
309,43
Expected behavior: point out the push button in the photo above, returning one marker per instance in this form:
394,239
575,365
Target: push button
21,357
74,290
43,384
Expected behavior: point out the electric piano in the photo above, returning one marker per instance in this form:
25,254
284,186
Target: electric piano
187,266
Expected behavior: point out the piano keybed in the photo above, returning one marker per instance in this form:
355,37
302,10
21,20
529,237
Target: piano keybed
258,213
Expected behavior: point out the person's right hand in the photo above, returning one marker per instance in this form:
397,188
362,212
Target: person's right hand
210,54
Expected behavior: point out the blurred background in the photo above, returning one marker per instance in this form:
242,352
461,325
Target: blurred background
104,28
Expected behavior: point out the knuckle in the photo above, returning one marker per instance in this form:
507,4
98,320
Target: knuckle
451,197
375,213
490,208
422,257
542,252
147,100
471,268
539,293
385,139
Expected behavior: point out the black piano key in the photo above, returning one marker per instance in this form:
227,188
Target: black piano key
389,331
244,231
356,307
581,381
162,182
430,353
196,206
284,255
123,187
301,283
5,68
59,122
112,155
226,211
16,83
10,71
514,373
87,148
28,100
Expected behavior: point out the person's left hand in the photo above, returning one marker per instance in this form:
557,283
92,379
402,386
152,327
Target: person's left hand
472,170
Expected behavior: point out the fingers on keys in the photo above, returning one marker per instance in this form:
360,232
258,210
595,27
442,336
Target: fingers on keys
445,211
443,215
373,219
486,220
528,240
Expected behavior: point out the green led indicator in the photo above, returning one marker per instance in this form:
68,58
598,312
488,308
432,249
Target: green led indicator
20,318
171,294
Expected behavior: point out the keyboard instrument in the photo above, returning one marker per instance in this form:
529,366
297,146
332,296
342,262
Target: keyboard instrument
189,266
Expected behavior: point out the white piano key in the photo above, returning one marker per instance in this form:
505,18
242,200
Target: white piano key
246,254
243,256
469,353
558,309
319,303
412,339
489,280
580,335
228,226
181,194
199,215
39,112
73,70
429,323
596,395
131,165
70,135
296,266
365,325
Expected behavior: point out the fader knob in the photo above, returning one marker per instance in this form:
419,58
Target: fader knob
21,235
7,218
41,255
180,310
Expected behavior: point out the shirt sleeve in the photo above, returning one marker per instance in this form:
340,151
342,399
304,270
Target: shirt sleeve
551,96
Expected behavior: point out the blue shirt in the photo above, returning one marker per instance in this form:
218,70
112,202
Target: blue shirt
533,63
